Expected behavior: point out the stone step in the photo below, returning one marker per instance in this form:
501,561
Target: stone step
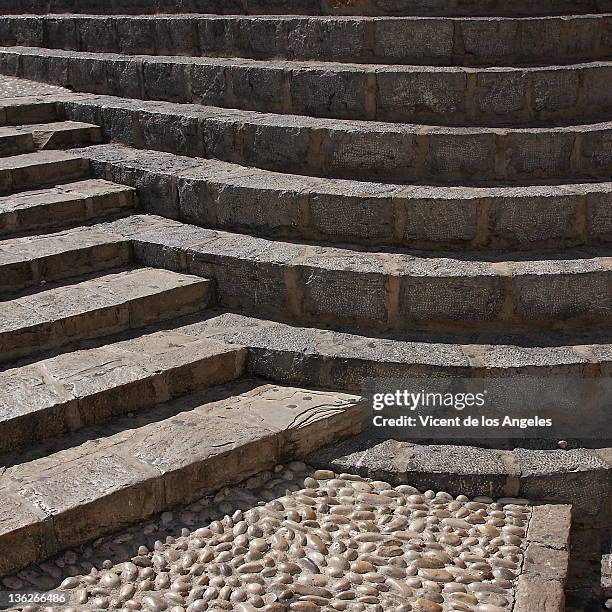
377,92
63,205
343,360
393,40
351,288
32,170
15,142
89,386
97,307
361,150
43,136
312,7
218,194
84,485
27,109
34,261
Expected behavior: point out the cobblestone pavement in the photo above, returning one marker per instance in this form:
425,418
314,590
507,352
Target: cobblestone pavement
294,539
11,87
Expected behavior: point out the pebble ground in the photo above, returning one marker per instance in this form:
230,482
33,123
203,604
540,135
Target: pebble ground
304,540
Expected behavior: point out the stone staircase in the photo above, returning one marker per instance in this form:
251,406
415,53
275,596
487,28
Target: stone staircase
313,193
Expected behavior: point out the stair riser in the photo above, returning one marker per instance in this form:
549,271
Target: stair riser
325,294
85,514
330,359
15,144
21,275
104,321
74,209
38,174
287,206
309,7
17,112
359,151
418,41
445,96
131,395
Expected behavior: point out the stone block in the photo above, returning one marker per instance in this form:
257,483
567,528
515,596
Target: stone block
564,295
263,89
426,299
345,294
174,35
421,95
542,595
554,91
166,80
539,154
336,40
387,154
533,219
329,93
207,84
136,36
484,39
418,40
468,156
500,96
550,526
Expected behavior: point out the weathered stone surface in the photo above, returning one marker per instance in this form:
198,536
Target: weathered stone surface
62,205
545,595
73,390
172,454
111,304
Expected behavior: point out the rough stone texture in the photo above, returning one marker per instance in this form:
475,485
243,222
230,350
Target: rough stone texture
481,250
408,40
91,308
81,388
348,287
52,207
170,454
31,261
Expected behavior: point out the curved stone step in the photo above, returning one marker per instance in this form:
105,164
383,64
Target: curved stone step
395,40
418,94
34,261
362,150
344,360
97,307
313,7
63,205
84,485
358,288
76,389
218,194
578,477
32,170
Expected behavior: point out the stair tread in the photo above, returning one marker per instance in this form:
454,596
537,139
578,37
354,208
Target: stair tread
268,339
37,260
221,194
71,390
36,158
359,149
14,250
38,128
166,456
101,306
223,244
438,95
